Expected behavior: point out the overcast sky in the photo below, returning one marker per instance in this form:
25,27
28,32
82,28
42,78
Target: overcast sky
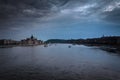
61,19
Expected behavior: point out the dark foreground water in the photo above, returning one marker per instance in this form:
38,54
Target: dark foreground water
58,62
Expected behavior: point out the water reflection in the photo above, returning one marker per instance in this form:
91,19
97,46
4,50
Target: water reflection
58,62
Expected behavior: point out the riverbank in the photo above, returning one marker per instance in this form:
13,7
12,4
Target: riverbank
108,48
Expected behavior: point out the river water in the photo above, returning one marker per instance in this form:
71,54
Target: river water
58,62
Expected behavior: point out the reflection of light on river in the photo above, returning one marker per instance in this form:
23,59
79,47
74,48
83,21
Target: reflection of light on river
58,61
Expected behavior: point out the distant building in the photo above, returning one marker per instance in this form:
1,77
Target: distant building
109,40
31,41
8,42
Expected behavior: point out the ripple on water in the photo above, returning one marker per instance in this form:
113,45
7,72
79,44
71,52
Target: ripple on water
58,62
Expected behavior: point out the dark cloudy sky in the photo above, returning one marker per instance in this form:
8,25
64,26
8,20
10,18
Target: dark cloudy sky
63,19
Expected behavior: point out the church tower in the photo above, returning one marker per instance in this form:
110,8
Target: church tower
32,37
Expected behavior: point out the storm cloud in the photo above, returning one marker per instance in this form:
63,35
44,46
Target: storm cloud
16,15
40,8
14,11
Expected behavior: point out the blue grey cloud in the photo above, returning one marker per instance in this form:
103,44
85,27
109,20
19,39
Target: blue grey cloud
16,15
40,8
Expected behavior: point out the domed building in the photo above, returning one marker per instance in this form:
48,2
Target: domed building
31,41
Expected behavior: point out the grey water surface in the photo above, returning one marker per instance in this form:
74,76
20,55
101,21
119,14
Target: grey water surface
58,62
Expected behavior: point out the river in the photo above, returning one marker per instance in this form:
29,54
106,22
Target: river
58,62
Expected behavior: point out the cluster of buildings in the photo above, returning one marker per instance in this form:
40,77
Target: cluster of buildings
110,40
8,42
29,41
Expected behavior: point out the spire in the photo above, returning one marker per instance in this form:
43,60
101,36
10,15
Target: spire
32,36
